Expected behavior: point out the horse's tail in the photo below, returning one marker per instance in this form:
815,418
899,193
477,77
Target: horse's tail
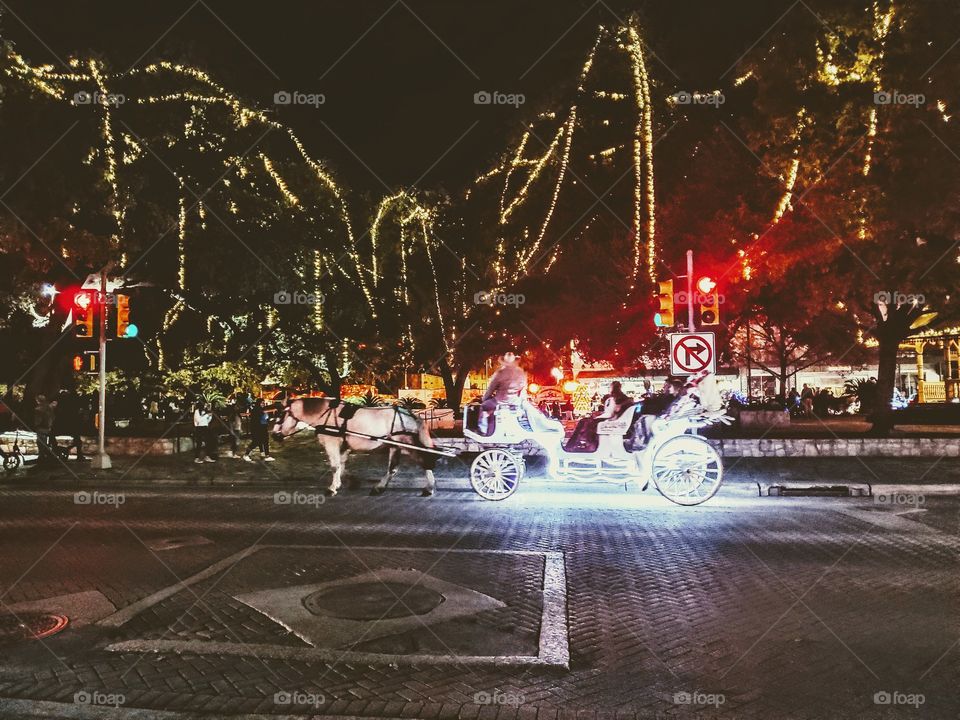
424,433
427,460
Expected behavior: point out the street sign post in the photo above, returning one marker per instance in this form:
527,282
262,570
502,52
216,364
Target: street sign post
691,352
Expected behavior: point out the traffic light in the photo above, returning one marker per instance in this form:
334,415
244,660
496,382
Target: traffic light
83,314
709,300
88,361
125,329
664,318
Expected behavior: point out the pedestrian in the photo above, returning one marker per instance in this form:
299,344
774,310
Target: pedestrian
43,426
821,402
647,389
806,400
68,420
793,401
259,432
202,418
235,426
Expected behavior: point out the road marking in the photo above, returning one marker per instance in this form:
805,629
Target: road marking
887,520
553,647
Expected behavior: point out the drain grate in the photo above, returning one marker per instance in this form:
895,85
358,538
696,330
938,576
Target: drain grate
30,626
812,491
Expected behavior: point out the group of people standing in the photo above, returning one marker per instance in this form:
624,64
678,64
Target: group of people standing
208,425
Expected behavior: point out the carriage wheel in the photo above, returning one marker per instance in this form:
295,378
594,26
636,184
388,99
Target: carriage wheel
496,474
687,470
11,462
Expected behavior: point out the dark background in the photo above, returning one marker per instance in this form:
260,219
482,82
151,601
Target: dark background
398,99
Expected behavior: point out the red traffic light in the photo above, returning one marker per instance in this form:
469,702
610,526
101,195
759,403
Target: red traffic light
706,285
77,363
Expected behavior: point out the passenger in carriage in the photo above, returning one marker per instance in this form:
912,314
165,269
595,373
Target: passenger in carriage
584,437
508,386
656,405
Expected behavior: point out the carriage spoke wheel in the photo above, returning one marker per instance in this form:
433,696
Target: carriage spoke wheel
687,470
496,474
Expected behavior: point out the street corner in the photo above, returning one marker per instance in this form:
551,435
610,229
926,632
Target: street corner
382,606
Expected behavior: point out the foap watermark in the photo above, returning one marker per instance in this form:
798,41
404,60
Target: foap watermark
298,697
899,498
682,298
895,97
715,98
297,498
498,697
492,298
295,97
95,697
898,298
98,98
284,297
484,97
895,697
98,498
699,698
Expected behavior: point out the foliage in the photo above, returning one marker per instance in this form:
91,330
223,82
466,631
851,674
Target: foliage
368,399
410,403
220,380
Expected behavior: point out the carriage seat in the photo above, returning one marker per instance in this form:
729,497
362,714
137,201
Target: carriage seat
471,418
620,424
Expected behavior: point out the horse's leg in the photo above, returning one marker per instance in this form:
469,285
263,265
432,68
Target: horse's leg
338,476
332,448
431,487
392,463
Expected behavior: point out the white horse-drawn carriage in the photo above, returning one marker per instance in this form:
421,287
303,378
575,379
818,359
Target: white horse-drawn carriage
684,467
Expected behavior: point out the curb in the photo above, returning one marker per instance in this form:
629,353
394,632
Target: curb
50,710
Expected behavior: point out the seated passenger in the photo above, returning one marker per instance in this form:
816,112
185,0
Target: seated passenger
584,437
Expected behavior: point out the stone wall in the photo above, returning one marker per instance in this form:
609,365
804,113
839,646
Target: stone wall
115,445
789,447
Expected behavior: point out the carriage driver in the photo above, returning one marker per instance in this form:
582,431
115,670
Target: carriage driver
508,386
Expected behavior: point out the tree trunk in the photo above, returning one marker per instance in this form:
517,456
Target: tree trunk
882,418
336,381
453,384
783,381
890,332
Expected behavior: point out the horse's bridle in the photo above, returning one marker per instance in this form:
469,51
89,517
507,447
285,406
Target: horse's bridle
287,412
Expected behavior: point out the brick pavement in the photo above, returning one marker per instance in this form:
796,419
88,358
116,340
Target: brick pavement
785,608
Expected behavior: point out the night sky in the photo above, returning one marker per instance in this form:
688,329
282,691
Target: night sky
401,96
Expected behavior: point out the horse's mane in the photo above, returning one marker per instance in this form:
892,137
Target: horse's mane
314,404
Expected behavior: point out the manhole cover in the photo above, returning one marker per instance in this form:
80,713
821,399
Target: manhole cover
373,601
30,626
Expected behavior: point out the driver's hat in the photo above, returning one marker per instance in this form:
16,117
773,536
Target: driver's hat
509,358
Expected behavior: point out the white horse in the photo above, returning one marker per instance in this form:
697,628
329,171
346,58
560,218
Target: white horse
328,417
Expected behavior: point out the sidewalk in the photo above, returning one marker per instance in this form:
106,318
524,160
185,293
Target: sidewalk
301,464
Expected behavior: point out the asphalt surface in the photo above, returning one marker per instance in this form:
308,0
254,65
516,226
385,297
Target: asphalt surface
567,600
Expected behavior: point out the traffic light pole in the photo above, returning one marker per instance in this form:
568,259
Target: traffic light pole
101,460
690,324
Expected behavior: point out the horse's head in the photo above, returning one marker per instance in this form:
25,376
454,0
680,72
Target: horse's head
286,423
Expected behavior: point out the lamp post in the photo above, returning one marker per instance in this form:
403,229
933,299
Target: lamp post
101,460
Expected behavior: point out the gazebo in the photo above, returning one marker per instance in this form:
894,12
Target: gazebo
942,346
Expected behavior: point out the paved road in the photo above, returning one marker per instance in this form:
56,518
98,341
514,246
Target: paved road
228,601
